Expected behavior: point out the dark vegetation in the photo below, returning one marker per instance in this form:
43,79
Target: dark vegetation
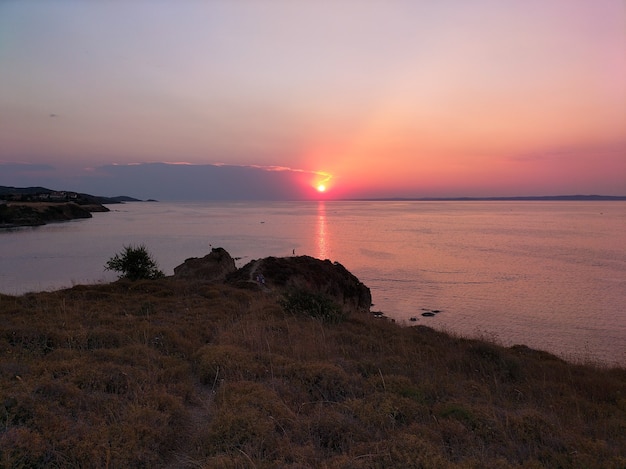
134,263
172,373
300,302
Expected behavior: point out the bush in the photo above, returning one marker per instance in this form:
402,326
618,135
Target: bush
302,302
134,263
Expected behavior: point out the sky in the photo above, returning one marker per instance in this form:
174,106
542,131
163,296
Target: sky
222,99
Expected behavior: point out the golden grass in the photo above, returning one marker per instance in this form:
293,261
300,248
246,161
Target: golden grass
171,374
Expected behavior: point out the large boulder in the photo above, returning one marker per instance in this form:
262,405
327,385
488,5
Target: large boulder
306,273
214,267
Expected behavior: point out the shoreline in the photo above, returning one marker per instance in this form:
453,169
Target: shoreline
585,356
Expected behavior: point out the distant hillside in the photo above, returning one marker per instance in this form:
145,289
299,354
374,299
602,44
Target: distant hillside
33,206
4,190
30,194
122,199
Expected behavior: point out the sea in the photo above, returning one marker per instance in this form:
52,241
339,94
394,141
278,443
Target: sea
547,274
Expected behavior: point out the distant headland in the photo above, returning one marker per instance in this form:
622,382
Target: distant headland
34,206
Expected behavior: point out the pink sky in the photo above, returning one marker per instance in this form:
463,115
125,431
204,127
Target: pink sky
398,98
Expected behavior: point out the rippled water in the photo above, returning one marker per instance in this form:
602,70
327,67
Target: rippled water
551,275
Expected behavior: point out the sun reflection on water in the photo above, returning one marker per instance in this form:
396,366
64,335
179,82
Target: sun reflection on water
321,232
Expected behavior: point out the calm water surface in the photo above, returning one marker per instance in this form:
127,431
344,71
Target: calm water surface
551,275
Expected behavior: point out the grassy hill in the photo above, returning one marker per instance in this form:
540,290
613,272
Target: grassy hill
39,194
184,374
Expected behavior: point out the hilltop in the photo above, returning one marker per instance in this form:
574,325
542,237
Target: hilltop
42,194
242,371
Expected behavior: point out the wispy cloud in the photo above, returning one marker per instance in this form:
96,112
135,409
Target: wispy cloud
268,168
184,181
173,180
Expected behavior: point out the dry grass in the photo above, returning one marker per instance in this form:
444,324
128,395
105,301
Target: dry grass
166,374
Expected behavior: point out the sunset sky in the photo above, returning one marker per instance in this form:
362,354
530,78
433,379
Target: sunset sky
375,98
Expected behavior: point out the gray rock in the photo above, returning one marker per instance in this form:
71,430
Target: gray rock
214,267
306,273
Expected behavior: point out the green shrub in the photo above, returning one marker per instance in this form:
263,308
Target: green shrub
316,305
134,263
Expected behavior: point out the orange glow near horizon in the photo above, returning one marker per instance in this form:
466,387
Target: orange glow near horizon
483,99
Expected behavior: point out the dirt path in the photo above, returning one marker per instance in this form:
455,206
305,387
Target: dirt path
253,271
254,268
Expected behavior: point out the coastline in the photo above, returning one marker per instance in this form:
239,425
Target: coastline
560,319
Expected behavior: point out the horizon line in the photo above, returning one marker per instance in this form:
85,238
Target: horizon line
589,197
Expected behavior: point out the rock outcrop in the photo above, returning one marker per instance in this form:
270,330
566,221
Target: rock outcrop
281,275
306,273
214,267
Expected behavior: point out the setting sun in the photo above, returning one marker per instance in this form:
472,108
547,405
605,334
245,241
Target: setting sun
321,182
